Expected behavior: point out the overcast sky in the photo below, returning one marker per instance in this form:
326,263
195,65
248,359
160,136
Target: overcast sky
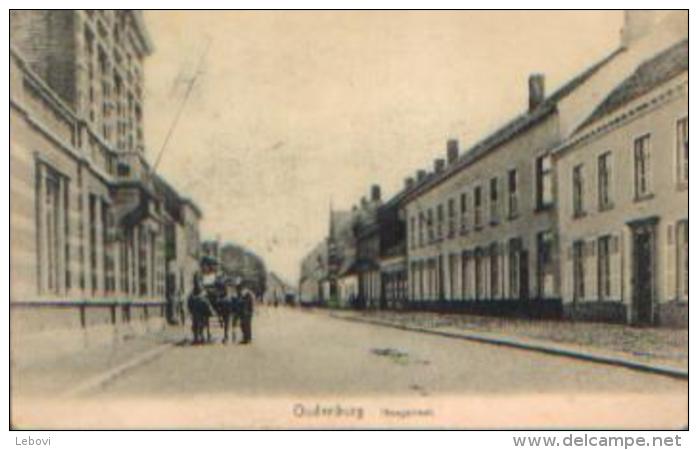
293,110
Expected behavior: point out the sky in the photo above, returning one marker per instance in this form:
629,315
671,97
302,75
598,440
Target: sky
291,112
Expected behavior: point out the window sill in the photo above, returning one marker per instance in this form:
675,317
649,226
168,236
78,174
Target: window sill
579,215
513,216
544,208
606,207
494,223
644,197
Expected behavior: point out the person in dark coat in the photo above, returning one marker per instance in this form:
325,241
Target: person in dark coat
246,311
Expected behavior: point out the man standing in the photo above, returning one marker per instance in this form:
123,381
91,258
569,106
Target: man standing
246,310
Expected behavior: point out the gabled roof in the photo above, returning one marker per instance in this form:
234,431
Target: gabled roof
650,74
512,128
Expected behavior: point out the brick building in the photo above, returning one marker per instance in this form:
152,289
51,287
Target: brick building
87,218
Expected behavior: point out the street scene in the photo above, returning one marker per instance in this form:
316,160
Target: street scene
430,380
349,219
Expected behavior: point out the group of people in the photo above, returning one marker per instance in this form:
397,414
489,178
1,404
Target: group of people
224,298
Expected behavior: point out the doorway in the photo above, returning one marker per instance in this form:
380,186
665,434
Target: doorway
644,273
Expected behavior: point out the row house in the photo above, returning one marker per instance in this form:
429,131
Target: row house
313,276
393,249
368,238
623,185
180,224
86,216
483,228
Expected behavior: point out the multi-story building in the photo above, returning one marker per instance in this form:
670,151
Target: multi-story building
180,224
368,239
484,226
86,218
393,249
623,187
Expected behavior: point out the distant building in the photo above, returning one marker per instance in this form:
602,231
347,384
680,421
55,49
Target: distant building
623,187
86,216
180,223
393,249
313,276
368,238
277,289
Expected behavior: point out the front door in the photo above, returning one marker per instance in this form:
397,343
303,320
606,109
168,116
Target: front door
644,272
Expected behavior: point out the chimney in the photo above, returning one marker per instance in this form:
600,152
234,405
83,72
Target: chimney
452,151
439,165
421,175
364,202
375,193
536,90
640,24
409,182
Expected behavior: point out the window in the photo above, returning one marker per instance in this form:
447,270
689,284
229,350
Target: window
494,270
463,213
49,228
479,274
513,193
604,267
578,190
421,229
66,233
682,150
107,240
451,217
440,275
494,201
464,275
605,199
430,225
514,267
642,167
453,274
413,233
124,261
439,221
544,182
142,260
478,207
546,264
578,269
93,242
682,256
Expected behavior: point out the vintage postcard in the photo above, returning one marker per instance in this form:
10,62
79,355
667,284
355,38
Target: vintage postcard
434,219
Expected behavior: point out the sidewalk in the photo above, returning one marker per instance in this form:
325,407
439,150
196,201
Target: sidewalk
41,374
652,347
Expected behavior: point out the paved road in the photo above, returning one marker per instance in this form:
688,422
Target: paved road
299,360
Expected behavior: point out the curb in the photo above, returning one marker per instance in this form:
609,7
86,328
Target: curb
111,374
627,363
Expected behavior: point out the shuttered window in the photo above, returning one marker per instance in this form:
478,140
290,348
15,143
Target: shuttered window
682,150
604,267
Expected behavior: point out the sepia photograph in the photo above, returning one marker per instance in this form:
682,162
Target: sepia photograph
348,220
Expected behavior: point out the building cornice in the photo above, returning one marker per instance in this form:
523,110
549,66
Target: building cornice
629,112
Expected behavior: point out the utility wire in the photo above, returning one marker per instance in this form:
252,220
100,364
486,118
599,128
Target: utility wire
190,86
